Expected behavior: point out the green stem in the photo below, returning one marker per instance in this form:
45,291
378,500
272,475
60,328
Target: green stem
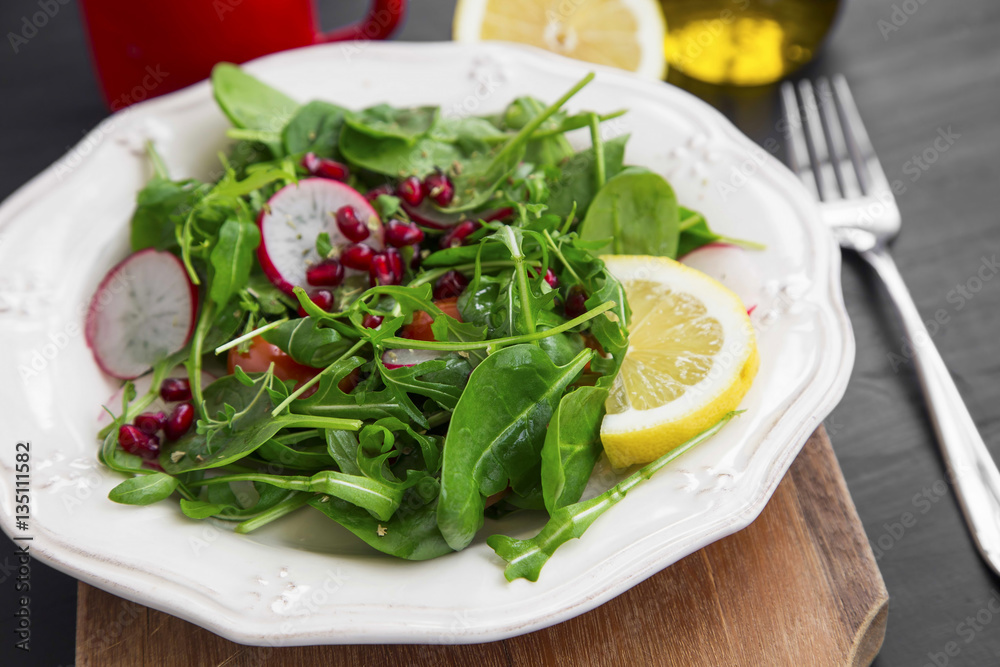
260,136
409,343
529,129
158,165
283,508
558,253
313,380
137,406
598,143
569,220
194,361
522,280
247,336
434,274
312,421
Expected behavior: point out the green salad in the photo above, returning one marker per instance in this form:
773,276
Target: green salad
393,316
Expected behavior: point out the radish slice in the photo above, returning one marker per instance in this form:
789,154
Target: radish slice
405,358
428,216
295,216
114,402
143,311
731,266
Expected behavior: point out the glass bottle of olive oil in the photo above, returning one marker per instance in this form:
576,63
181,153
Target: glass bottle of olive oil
744,42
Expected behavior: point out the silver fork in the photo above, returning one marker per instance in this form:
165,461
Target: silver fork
830,151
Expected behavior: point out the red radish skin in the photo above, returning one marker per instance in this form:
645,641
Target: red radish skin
146,289
295,216
426,215
731,266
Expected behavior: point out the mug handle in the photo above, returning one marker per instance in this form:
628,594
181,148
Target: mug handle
382,19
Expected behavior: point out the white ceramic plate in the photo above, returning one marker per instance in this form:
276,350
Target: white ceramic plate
304,580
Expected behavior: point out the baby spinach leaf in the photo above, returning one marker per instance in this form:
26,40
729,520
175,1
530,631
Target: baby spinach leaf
525,558
199,509
497,431
396,157
411,533
308,343
636,211
157,205
385,122
572,446
304,459
315,128
694,232
144,489
231,259
576,185
547,150
250,103
342,446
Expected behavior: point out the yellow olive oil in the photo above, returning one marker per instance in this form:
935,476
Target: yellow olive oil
744,42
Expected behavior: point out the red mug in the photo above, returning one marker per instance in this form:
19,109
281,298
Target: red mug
143,49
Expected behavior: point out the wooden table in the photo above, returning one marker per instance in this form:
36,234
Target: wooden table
798,587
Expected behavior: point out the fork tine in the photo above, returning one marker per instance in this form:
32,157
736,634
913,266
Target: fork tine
826,178
869,169
843,165
798,150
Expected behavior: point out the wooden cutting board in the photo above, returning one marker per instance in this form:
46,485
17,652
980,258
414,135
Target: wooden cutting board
799,586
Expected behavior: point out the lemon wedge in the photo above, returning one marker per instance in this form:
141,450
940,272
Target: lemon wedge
628,34
691,359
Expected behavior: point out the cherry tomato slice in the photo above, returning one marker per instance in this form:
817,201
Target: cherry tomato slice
261,354
420,327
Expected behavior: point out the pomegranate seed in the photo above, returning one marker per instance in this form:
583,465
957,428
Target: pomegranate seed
357,257
322,298
399,233
150,422
350,226
325,168
374,193
450,284
456,236
131,438
576,302
550,277
179,422
395,264
175,389
439,188
328,273
411,190
371,321
380,271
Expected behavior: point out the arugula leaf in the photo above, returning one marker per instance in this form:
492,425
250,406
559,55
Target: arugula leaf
636,212
144,489
231,259
525,558
497,431
441,380
244,423
330,401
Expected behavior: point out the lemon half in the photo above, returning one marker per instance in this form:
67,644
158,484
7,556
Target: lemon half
627,34
691,359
